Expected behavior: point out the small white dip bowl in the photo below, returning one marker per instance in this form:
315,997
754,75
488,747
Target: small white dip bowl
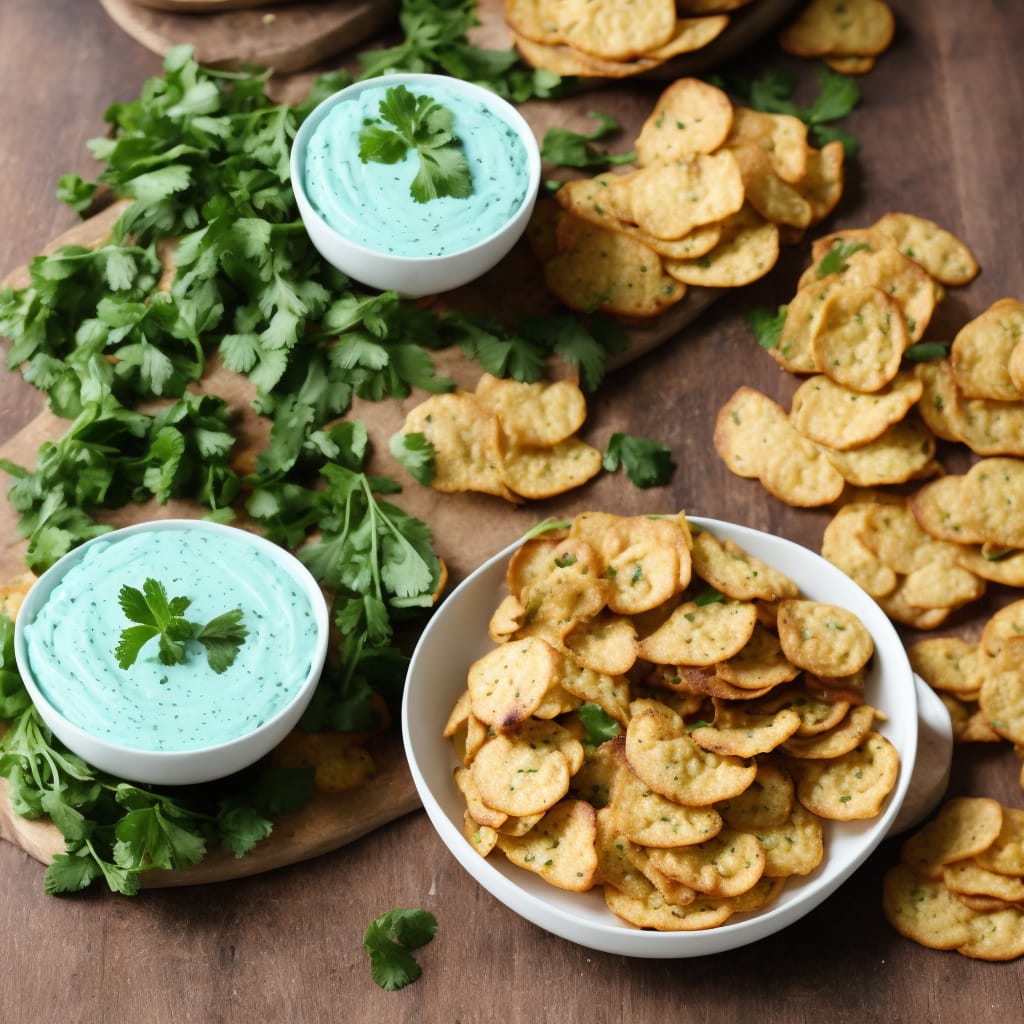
413,276
180,763
457,635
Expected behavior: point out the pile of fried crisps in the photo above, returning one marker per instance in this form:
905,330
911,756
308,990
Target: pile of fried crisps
716,190
613,38
738,708
960,882
863,418
849,36
981,683
512,439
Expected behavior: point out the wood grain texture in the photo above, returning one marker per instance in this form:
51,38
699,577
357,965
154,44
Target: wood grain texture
287,37
940,125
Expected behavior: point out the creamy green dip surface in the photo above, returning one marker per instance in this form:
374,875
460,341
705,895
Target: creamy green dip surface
369,203
151,706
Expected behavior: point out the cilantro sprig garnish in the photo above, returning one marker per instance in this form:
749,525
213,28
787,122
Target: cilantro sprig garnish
389,941
578,149
647,462
422,124
161,618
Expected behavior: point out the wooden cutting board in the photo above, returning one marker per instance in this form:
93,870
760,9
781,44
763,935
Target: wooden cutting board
285,36
467,528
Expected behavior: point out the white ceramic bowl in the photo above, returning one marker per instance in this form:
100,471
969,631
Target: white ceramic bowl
457,635
177,766
414,276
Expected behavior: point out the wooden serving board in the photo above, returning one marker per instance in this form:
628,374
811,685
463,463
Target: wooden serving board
287,37
467,528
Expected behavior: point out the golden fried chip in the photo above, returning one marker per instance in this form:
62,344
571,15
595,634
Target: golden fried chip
508,683
924,910
963,828
654,911
941,253
754,437
540,414
840,417
998,935
465,439
822,185
981,350
700,634
794,351
844,546
599,269
524,772
647,818
729,864
782,137
777,200
948,663
858,28
794,847
840,739
765,803
1005,855
690,116
760,664
615,29
561,847
482,838
743,731
851,786
993,563
905,451
970,878
605,644
479,813
1001,697
708,187
615,868
539,558
538,473
747,250
823,638
533,19
667,760
859,338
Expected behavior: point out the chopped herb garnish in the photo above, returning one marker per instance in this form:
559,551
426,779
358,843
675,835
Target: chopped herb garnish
422,124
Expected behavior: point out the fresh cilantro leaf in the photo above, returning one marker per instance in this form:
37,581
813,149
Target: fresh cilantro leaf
576,149
926,352
598,725
416,453
834,261
422,124
838,95
157,617
766,325
709,595
389,941
75,192
648,463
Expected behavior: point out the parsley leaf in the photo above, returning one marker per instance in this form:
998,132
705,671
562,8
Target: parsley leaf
772,93
926,351
834,261
389,941
766,325
416,453
598,725
648,463
576,149
156,616
422,124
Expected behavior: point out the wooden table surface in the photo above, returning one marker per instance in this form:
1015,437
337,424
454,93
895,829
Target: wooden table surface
940,126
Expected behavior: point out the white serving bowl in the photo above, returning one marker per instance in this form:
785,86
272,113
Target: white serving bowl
457,635
177,766
414,276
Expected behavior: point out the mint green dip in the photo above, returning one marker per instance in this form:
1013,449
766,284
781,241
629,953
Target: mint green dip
155,707
369,203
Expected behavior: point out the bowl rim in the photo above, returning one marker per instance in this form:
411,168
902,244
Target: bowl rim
159,760
613,936
498,105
